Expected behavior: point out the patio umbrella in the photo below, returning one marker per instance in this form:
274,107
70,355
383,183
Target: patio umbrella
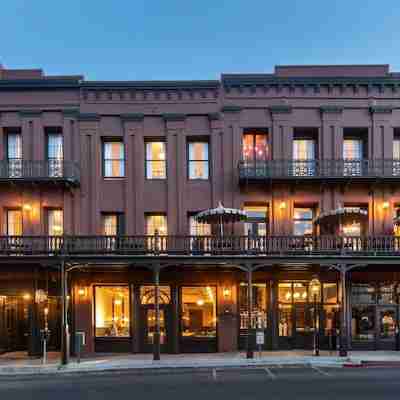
341,215
221,215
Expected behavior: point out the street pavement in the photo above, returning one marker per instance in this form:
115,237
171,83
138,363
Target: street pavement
280,383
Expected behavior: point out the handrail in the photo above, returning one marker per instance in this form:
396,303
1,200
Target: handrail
342,168
51,169
200,245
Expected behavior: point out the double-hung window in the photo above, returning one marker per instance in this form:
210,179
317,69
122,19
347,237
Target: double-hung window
352,155
156,166
112,226
113,159
55,154
396,156
303,157
14,155
303,221
13,222
198,160
55,222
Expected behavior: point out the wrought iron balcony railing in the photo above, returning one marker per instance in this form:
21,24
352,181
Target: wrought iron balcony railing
262,246
319,169
17,169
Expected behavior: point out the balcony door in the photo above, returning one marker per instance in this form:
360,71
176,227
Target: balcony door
353,149
55,154
14,155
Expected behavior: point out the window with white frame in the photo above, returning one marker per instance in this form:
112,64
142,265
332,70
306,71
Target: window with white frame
113,159
198,160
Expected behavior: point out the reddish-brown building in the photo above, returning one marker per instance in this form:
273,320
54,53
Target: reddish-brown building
102,181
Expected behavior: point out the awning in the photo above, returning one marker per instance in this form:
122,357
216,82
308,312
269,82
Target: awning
343,214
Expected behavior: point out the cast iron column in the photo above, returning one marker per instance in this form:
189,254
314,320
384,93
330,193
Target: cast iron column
65,350
343,314
250,352
156,335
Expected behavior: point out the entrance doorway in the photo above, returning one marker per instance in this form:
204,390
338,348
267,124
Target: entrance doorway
296,315
148,318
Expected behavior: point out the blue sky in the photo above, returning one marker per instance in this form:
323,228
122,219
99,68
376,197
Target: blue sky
194,39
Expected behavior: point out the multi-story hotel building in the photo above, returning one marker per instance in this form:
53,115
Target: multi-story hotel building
101,182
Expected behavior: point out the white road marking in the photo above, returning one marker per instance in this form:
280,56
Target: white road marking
214,374
270,373
320,371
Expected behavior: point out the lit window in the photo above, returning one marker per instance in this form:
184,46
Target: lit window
198,318
303,149
256,223
147,295
396,157
199,229
13,226
259,313
113,159
55,222
156,223
255,147
112,311
14,155
303,221
198,160
156,167
55,154
110,224
352,149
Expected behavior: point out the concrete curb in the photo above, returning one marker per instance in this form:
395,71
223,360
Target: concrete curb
167,366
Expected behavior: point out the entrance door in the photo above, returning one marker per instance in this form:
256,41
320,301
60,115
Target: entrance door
148,324
387,327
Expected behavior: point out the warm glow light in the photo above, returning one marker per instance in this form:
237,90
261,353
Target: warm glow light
117,302
296,295
288,296
226,292
282,206
81,292
46,311
200,302
385,205
26,296
27,207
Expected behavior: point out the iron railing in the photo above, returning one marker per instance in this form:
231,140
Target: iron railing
53,169
319,169
199,245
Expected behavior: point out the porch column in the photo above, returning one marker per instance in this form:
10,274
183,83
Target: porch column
65,338
250,352
343,313
175,320
156,336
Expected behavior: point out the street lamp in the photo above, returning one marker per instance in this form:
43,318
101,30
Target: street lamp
315,287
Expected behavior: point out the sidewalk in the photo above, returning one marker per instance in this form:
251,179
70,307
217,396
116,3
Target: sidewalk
19,364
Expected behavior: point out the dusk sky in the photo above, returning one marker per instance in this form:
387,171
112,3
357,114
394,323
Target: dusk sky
177,39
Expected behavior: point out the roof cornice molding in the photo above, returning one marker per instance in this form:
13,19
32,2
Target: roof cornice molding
38,84
151,85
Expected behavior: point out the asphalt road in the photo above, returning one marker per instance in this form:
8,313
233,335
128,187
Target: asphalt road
293,383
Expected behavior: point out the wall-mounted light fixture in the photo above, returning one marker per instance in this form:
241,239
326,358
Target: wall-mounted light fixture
27,207
82,291
385,205
282,205
226,292
26,296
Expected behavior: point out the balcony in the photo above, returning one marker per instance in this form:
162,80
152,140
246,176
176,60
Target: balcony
319,170
27,171
203,246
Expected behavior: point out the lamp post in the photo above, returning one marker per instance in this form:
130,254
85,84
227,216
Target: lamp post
315,286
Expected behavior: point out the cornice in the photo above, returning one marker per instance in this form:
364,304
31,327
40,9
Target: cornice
30,113
132,117
281,109
151,85
38,84
231,109
71,113
331,109
89,117
174,117
381,109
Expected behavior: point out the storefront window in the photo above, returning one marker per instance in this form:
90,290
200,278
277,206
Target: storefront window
259,314
387,321
199,313
299,292
112,311
330,293
331,319
285,320
285,292
386,294
363,322
363,294
148,295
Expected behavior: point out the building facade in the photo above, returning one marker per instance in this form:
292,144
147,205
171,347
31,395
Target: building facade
107,177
